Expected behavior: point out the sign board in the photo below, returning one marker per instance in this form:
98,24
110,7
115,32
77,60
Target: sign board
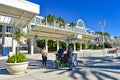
75,36
79,36
72,37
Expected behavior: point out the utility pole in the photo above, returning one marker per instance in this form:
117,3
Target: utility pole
102,24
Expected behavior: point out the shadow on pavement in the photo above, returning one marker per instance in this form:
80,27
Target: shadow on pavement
98,67
37,64
92,66
104,75
4,71
78,71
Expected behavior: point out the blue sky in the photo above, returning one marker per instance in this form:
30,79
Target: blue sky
90,11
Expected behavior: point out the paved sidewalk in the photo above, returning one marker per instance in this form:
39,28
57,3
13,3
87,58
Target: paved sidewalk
94,68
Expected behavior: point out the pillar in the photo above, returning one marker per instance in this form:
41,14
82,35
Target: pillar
57,45
74,46
86,46
81,53
46,45
80,46
3,34
31,47
67,44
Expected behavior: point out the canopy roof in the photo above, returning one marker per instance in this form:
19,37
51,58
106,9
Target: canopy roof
17,12
46,32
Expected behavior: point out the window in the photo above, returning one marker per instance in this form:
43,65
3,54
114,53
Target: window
80,24
32,26
9,29
38,20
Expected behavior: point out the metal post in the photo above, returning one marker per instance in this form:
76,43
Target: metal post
102,24
103,40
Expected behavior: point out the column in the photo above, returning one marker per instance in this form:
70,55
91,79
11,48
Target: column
81,53
31,47
67,44
3,34
57,45
80,46
86,46
46,45
74,46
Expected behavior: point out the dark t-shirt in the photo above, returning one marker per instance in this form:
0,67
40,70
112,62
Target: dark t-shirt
70,52
61,51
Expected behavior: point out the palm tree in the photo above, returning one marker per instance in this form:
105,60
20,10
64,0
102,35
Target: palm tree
106,34
51,19
61,21
44,20
100,33
72,24
17,34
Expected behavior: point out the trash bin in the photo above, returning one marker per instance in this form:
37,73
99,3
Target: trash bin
4,50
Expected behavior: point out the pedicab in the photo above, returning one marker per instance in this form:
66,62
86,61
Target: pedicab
64,61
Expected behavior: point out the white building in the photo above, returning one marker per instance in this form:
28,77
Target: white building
22,13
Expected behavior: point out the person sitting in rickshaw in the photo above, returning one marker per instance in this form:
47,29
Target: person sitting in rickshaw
70,54
60,52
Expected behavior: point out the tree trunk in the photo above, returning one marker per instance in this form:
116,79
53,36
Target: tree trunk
17,50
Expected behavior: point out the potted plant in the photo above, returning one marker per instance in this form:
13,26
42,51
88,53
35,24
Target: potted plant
17,64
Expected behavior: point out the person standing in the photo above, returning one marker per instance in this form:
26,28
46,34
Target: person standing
44,56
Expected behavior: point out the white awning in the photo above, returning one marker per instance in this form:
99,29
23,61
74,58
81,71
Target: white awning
17,12
46,32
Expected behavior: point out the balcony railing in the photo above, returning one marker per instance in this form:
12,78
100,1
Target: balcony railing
38,21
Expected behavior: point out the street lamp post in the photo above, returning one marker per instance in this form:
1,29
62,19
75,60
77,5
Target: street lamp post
102,24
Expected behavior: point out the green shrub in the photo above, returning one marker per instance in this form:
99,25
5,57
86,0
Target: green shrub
19,57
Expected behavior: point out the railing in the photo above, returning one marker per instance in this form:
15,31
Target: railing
38,21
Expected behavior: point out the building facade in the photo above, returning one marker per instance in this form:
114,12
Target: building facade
33,25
